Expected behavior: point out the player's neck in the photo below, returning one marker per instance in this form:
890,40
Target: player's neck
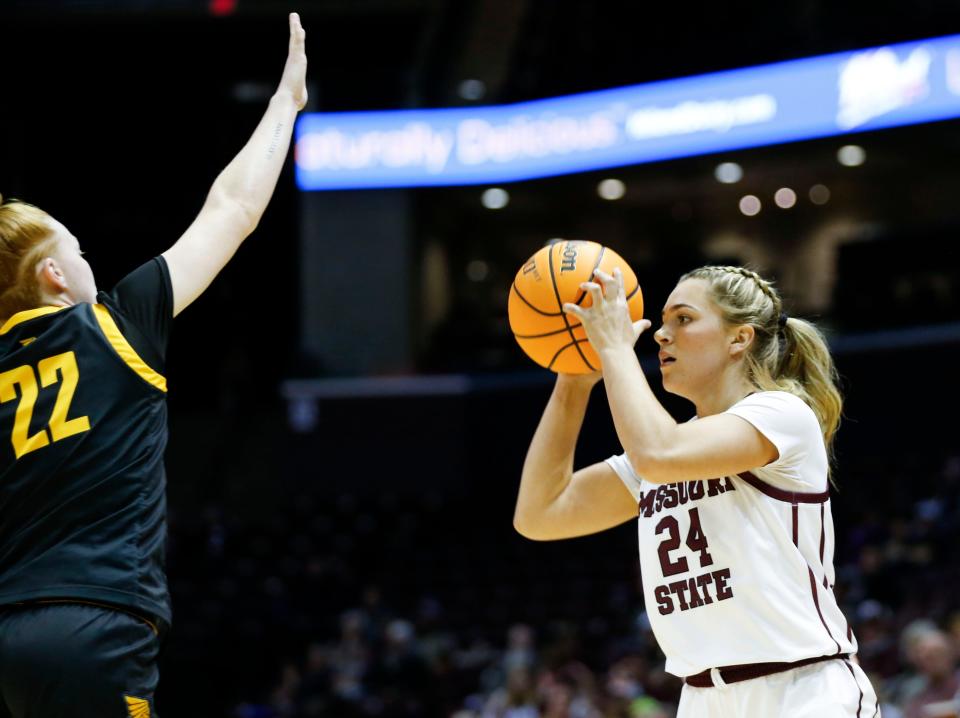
723,395
61,299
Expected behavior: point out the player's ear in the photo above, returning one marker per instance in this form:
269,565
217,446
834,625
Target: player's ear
741,339
50,276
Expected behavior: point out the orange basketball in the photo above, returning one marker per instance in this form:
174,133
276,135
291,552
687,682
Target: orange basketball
548,280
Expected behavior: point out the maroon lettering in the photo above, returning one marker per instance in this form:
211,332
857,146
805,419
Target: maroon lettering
720,579
704,581
697,541
661,495
695,600
664,602
670,497
677,589
693,592
646,503
714,488
668,566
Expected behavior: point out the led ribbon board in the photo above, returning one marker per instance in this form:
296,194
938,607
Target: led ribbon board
797,100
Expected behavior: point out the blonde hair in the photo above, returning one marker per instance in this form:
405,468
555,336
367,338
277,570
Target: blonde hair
790,355
24,231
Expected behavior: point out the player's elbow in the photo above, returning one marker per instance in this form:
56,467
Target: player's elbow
651,465
246,218
240,215
522,525
529,527
533,534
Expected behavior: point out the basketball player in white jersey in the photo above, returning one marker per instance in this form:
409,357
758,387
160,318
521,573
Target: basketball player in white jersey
736,534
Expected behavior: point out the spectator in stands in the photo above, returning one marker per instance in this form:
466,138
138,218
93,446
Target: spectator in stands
350,658
399,676
936,661
908,683
517,699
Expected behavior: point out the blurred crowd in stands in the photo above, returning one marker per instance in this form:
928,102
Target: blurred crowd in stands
426,606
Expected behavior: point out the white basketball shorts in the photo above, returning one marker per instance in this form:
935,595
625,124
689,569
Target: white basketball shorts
831,689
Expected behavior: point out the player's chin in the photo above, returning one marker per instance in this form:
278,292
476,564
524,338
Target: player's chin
670,383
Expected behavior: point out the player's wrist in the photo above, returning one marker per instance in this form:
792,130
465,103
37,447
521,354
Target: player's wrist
578,383
617,354
284,98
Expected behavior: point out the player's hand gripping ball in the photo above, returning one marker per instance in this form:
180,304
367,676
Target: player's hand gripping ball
550,278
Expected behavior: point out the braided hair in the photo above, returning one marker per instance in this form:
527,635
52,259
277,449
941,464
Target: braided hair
787,354
24,234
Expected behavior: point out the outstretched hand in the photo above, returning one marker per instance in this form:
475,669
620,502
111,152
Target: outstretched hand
607,321
294,80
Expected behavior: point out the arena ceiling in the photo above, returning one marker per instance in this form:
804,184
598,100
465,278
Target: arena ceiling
174,59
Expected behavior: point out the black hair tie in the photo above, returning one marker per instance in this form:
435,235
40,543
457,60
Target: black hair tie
782,322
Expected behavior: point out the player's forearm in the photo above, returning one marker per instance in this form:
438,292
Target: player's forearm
251,177
644,427
548,468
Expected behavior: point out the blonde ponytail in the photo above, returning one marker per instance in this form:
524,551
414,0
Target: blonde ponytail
787,354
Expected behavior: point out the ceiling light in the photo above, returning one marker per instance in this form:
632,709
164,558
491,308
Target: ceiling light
611,189
495,198
472,90
728,172
785,198
750,205
851,155
819,194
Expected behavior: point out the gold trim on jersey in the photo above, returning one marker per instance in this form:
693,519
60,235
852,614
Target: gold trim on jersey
27,314
127,352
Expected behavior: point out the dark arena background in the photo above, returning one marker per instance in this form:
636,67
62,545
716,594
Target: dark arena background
349,411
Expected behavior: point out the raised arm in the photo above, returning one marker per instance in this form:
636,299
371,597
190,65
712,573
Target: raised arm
555,502
241,192
659,449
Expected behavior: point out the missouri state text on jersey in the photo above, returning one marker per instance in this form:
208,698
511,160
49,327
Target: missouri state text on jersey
686,592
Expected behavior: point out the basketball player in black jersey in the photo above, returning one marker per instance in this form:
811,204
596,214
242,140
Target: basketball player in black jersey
83,595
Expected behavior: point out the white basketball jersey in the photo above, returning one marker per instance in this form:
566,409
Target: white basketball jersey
739,569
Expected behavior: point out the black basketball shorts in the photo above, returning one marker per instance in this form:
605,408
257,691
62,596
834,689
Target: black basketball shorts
78,660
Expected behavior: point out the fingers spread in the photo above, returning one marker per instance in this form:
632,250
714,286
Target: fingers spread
609,282
618,278
577,311
593,289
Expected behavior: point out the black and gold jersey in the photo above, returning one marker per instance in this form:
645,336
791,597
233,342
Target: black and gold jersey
83,428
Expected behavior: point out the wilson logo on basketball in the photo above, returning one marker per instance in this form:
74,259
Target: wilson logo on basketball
531,266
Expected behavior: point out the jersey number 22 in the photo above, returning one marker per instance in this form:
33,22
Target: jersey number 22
61,368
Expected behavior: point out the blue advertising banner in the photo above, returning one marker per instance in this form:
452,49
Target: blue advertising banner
784,102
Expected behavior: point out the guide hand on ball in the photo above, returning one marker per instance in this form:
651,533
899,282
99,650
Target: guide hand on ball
607,320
